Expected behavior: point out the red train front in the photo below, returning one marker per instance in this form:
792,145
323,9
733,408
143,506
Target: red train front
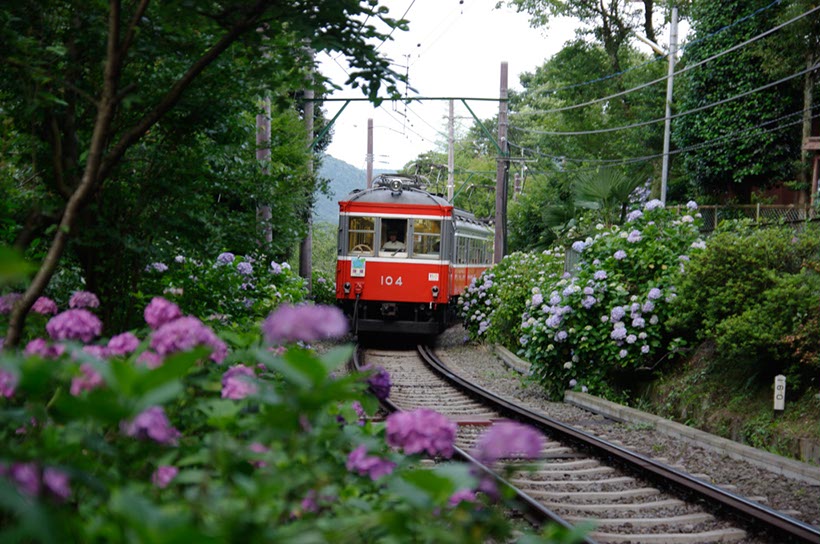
404,256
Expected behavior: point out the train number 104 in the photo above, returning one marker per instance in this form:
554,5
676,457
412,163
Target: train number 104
390,280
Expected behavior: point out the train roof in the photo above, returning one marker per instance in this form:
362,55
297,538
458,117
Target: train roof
400,189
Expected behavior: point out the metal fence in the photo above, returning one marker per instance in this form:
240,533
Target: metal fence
762,214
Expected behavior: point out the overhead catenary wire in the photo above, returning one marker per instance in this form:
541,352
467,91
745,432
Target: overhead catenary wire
675,116
676,73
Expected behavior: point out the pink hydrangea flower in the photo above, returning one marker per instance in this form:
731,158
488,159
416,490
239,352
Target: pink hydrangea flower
260,449
123,344
368,465
83,299
306,323
149,359
8,301
163,476
44,306
26,477
184,334
152,424
421,430
509,439
160,311
463,495
57,483
237,382
8,383
75,324
41,347
88,380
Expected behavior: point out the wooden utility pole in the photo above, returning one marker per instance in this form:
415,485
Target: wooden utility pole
369,159
306,247
501,173
451,154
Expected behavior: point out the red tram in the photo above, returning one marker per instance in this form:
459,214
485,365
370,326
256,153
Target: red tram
404,256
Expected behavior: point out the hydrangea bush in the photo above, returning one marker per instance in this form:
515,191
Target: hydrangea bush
580,329
183,436
229,289
492,310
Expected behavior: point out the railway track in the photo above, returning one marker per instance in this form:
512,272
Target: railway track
630,498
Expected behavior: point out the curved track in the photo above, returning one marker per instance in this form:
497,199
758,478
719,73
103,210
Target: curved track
630,497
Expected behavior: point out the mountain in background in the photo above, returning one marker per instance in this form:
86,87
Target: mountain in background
343,178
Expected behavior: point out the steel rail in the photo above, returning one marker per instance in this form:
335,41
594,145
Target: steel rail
759,515
532,510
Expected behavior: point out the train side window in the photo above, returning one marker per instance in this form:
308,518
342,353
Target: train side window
461,250
362,231
426,237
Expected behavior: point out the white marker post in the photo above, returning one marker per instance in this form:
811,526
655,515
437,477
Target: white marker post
779,392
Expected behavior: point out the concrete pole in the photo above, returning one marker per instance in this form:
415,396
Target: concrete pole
667,132
306,247
451,154
501,173
369,158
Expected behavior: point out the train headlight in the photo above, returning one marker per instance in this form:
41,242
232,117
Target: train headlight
435,291
396,187
346,287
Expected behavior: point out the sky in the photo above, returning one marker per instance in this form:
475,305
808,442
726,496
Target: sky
454,48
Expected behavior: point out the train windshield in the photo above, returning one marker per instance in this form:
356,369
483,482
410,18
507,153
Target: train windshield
362,233
394,236
426,237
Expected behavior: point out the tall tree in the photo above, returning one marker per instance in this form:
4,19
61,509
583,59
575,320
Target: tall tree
88,82
740,134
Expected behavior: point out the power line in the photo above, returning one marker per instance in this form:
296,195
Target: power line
666,77
675,116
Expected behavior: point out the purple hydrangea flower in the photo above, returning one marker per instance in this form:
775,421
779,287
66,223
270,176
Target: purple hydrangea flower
149,359
619,255
617,313
509,439
44,306
654,294
8,383
185,333
692,205
77,324
379,383
633,215
588,302
560,336
644,349
578,246
151,424
83,299
275,267
244,268
631,339
160,311
618,333
573,382
421,430
374,467
41,347
225,258
164,475
26,477
123,344
8,301
57,483
653,204
88,380
537,299
156,267
306,323
237,382
634,236
462,495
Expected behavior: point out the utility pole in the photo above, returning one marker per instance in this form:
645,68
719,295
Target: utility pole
369,158
451,154
501,173
667,131
306,247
